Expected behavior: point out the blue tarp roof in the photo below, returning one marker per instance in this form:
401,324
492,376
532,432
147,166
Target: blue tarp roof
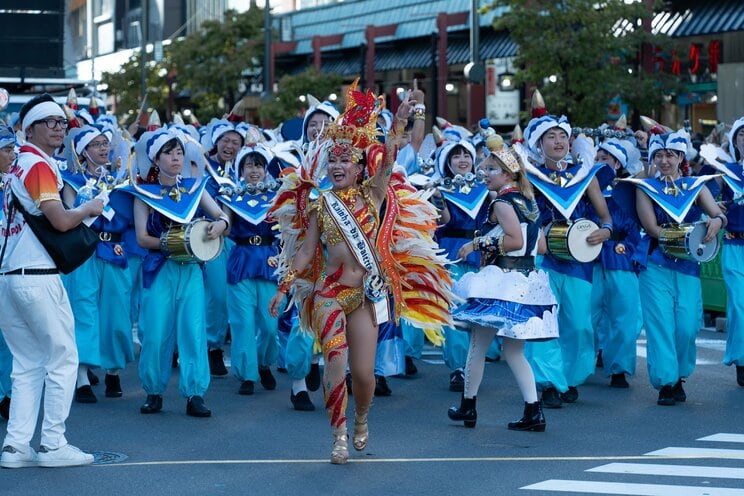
704,18
415,19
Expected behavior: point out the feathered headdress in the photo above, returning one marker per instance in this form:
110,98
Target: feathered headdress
356,129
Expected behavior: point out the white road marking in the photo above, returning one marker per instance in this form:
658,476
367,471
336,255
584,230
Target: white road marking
698,453
670,470
724,438
593,487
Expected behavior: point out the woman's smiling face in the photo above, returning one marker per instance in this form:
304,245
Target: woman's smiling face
460,161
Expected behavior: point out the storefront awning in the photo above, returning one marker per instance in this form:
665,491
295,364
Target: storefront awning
713,17
417,55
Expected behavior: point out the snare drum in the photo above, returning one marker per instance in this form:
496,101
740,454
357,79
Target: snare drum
188,243
685,241
567,240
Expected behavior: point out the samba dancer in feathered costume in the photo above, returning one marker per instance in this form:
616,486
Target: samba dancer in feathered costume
341,256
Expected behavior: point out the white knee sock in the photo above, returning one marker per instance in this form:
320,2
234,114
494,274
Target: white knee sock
513,350
298,385
82,376
480,340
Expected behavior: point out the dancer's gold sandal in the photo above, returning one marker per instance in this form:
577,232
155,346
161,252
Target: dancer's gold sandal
361,431
340,452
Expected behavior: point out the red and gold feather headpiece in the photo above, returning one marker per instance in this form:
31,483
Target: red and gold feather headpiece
356,129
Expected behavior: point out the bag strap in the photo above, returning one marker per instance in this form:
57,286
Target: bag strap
11,213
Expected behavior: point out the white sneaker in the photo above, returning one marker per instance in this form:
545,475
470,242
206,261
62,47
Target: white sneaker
66,456
15,458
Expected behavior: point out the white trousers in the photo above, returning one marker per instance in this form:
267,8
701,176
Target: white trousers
39,329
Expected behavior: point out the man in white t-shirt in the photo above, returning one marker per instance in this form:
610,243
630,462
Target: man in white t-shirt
38,325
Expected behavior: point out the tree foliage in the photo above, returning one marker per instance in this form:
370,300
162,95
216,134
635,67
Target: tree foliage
591,48
211,61
125,86
286,102
207,65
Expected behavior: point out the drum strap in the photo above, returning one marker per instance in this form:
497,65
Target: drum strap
359,245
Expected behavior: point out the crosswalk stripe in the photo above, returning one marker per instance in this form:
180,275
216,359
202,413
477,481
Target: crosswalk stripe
592,487
670,470
724,438
698,453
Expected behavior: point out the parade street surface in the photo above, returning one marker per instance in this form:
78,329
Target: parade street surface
612,441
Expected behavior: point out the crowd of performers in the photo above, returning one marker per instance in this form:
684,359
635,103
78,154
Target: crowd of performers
350,240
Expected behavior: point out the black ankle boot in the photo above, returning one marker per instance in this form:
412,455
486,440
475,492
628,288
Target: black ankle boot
466,412
532,420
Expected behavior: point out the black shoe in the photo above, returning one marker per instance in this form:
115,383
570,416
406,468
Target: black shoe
153,404
174,360
550,398
600,362
93,378
666,396
216,363
381,386
5,408
457,381
348,384
84,394
619,381
740,375
113,386
195,407
532,419
410,367
267,378
465,412
301,401
312,380
679,393
246,388
571,395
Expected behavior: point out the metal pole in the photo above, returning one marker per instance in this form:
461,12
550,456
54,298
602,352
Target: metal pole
144,19
474,33
268,90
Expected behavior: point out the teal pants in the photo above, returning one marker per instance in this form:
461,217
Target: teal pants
6,367
616,318
672,314
733,277
253,330
172,313
100,297
568,360
215,284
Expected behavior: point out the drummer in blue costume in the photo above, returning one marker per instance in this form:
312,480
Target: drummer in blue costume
7,155
672,300
463,209
616,302
100,289
250,278
172,310
221,143
565,188
732,261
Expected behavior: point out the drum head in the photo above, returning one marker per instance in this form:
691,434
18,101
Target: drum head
700,251
203,248
578,247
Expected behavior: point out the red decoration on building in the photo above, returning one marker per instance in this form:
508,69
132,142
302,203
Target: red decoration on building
658,60
676,66
714,55
694,58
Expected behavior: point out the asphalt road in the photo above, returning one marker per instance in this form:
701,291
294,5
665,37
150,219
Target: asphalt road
610,442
